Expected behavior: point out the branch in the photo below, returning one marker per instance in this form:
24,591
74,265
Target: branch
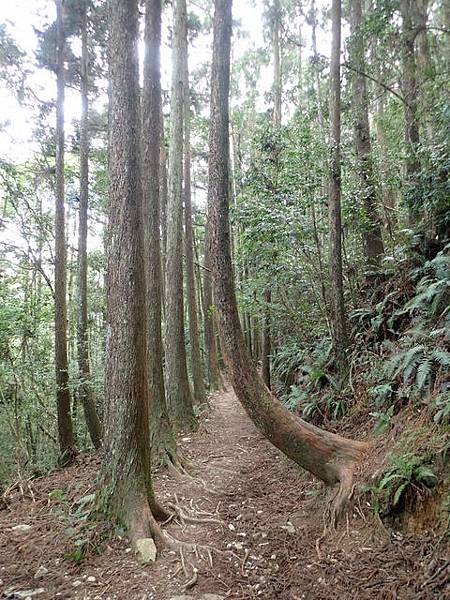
380,83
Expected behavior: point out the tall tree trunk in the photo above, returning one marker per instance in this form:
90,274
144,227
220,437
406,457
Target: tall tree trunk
178,392
194,338
163,205
162,438
65,428
340,342
387,191
85,388
326,455
277,90
214,377
300,103
410,94
125,490
277,85
426,68
373,242
312,20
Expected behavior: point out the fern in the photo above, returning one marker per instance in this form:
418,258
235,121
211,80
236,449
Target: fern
423,373
441,357
442,403
412,359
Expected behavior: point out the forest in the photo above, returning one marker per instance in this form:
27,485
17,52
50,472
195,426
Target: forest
225,299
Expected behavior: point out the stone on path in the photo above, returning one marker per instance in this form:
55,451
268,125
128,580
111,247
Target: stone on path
41,572
21,528
145,550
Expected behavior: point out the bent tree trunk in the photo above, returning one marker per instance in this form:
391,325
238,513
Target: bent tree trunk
328,456
125,492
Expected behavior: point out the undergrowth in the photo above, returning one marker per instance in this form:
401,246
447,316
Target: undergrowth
399,374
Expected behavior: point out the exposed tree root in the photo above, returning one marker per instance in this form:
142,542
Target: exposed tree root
185,518
342,496
159,512
195,480
143,524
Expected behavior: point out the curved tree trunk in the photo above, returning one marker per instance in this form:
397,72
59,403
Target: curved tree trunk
65,428
178,392
125,489
162,438
194,339
326,455
86,391
373,241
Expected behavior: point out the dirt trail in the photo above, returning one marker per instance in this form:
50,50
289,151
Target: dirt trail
268,539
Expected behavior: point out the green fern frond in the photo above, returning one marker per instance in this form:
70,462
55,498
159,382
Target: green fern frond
436,333
441,357
411,359
440,298
398,494
392,364
423,373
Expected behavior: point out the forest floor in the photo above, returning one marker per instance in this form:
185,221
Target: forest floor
261,514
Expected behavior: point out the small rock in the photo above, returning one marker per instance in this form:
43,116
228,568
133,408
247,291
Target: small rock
28,593
77,583
21,528
145,551
289,528
41,572
91,579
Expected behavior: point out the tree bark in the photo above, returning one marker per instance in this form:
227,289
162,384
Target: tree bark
162,438
373,241
65,428
214,377
85,388
410,94
340,341
178,392
326,455
277,85
163,206
194,338
125,489
277,91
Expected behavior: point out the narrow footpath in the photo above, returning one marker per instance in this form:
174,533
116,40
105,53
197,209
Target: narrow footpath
255,519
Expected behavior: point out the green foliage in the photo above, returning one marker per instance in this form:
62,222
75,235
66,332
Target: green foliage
383,419
405,474
79,528
442,407
317,395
